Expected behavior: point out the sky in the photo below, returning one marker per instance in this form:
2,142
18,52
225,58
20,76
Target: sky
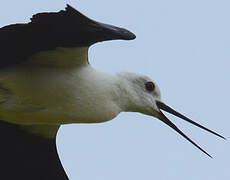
184,46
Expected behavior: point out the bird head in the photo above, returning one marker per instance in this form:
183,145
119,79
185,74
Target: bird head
143,95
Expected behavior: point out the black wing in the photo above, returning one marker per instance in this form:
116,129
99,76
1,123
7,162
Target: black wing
27,156
47,31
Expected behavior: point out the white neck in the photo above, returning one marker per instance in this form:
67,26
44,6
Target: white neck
128,99
67,91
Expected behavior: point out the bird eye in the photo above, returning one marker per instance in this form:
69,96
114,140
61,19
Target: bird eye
150,86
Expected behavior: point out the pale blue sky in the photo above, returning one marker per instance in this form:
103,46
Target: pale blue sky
184,46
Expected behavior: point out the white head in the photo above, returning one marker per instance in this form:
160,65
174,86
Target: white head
141,94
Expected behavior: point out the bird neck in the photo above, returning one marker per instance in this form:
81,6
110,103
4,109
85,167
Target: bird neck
128,98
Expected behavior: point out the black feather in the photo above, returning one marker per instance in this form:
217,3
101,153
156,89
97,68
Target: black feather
27,156
47,31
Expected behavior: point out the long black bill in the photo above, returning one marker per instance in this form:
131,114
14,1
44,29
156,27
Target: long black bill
163,118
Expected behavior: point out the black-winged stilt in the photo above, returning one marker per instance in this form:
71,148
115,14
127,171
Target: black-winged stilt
46,80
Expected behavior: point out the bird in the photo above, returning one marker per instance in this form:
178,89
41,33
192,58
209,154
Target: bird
46,81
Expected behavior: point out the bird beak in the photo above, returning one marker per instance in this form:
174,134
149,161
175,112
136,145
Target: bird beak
163,118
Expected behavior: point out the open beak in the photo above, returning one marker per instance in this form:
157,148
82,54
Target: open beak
163,118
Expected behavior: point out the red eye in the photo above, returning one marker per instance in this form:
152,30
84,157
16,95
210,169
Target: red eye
150,86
